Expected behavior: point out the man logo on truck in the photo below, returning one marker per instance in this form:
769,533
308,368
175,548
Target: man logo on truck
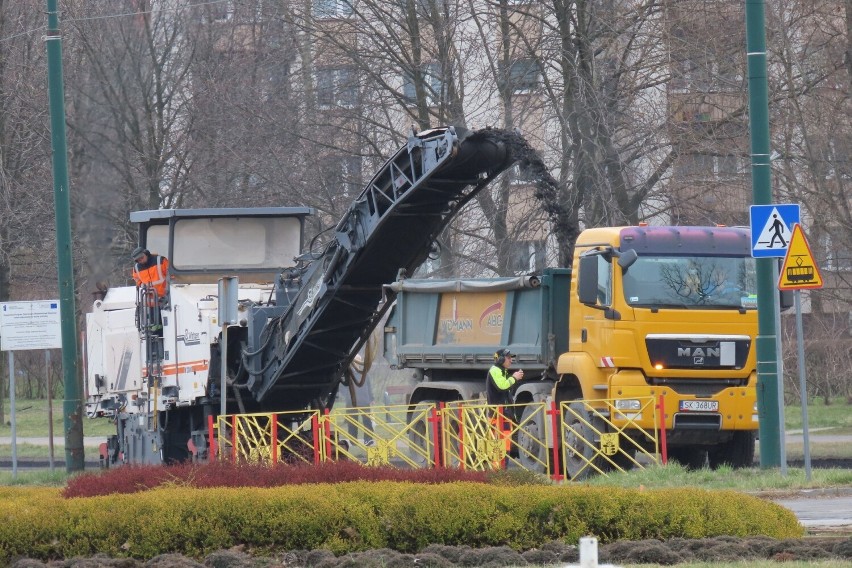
699,352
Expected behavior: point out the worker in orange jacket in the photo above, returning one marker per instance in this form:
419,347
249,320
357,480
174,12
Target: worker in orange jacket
152,270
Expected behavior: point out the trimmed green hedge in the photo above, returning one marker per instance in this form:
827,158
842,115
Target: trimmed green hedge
348,517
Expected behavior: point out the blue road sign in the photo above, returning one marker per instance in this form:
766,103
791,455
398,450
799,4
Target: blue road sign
771,228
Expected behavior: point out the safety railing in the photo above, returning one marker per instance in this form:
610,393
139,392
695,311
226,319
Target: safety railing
593,437
598,436
389,435
289,437
479,436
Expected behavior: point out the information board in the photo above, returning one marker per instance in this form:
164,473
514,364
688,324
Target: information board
30,325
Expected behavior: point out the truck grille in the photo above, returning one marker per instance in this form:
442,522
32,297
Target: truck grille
706,352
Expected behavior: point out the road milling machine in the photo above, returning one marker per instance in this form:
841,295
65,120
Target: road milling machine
154,365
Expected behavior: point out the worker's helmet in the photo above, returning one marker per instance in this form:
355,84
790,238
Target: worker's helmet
500,356
137,252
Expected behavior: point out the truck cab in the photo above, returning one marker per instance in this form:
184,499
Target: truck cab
670,312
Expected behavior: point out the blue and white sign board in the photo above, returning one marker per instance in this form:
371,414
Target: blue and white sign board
30,325
771,228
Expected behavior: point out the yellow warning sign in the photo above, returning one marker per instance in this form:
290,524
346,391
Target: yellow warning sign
799,270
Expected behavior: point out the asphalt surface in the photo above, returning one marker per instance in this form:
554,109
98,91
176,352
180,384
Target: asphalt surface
820,510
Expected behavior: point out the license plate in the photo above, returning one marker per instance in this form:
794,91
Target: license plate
699,405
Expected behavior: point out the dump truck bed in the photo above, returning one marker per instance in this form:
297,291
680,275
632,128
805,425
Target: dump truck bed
446,324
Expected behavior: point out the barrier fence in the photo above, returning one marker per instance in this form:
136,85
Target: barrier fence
566,441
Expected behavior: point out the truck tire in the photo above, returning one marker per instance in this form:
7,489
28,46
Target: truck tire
738,452
580,444
532,449
624,458
690,457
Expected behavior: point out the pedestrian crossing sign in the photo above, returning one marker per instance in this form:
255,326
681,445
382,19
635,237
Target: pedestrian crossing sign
800,270
771,228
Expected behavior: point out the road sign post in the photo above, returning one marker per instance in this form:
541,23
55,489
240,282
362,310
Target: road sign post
800,271
770,234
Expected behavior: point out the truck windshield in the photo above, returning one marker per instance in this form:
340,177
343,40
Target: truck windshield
689,282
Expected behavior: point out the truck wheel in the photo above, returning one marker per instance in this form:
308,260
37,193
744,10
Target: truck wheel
738,452
580,444
532,446
625,456
689,457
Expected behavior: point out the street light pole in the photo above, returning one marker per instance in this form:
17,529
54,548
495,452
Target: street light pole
767,358
72,404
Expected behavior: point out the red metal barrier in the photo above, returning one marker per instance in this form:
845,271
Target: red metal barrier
435,419
315,433
554,420
327,434
273,446
211,438
663,448
234,438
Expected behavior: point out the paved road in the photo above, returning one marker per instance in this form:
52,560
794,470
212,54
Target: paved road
93,441
821,509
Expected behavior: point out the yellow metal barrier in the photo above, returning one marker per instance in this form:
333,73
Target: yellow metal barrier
481,437
290,437
592,437
598,437
472,437
376,435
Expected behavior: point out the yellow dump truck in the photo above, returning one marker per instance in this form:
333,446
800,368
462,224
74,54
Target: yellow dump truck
645,311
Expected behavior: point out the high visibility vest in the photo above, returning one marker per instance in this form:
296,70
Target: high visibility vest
154,274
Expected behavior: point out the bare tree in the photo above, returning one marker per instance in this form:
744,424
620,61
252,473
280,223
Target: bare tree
813,133
27,245
129,121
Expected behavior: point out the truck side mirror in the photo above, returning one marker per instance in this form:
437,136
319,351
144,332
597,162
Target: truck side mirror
627,258
587,286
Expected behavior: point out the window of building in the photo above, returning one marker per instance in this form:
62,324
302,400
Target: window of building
277,82
527,256
337,87
837,258
730,72
524,76
431,75
704,165
350,171
727,166
342,175
707,71
325,9
691,73
216,12
698,165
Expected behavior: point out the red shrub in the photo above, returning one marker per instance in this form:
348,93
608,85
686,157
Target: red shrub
134,478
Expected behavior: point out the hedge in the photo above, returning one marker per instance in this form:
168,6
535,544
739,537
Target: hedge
350,517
